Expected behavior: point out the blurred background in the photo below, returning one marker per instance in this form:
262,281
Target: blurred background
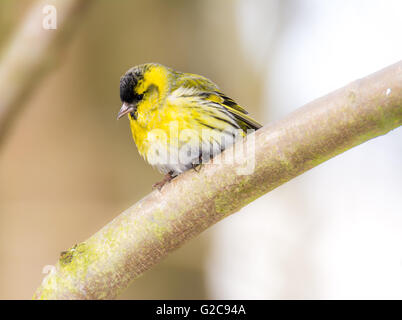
68,167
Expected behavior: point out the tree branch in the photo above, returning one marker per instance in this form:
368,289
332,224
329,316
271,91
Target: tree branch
31,54
105,264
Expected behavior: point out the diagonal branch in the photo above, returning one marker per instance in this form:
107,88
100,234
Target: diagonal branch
32,53
105,264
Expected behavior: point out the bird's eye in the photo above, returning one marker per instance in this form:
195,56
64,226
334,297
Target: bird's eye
139,97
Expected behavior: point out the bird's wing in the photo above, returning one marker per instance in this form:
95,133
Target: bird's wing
237,111
192,85
194,81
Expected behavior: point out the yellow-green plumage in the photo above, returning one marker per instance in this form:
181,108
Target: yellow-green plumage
174,114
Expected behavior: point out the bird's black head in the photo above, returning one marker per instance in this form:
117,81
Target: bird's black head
145,80
128,94
127,84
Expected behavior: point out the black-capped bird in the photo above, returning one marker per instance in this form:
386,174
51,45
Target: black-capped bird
179,120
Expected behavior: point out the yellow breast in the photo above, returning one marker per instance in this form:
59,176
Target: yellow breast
172,136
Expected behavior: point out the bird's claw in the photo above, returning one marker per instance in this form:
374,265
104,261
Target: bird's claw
159,185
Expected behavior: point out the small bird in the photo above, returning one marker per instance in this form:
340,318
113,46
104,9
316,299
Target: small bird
179,120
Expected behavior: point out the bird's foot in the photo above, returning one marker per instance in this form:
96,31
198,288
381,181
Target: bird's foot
159,185
197,167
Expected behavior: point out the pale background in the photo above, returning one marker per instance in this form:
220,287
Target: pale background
69,167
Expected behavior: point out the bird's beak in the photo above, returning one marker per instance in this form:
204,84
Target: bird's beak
125,109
